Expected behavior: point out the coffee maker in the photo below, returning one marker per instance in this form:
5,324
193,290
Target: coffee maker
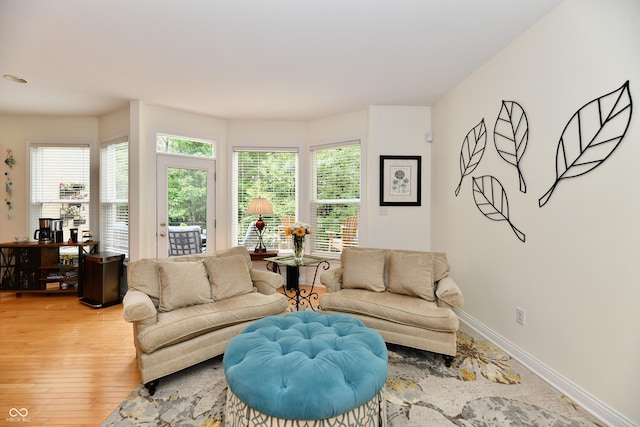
56,230
43,234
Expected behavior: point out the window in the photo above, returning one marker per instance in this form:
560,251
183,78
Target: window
268,174
335,196
60,185
114,197
191,147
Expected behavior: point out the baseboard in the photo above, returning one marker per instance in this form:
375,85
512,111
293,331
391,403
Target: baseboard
587,401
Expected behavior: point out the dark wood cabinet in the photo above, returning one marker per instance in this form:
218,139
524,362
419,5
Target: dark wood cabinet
50,267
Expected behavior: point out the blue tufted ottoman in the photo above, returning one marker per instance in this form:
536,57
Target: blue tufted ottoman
322,369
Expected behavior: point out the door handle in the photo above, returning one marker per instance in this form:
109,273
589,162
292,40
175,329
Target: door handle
163,234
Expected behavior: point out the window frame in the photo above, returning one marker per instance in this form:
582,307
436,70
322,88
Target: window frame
313,201
107,232
271,221
33,214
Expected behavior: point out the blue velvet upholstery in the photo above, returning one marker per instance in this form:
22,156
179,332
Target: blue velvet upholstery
306,365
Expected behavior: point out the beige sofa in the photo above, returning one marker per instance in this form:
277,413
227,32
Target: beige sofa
407,296
186,309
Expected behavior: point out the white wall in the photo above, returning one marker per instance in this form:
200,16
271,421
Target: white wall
16,131
151,120
398,130
576,273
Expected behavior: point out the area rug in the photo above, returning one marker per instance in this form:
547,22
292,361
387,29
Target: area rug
483,387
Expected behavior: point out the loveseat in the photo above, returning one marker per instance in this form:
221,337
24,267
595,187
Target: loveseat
407,296
186,309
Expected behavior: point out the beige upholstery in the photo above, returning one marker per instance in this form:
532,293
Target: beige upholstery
418,314
167,341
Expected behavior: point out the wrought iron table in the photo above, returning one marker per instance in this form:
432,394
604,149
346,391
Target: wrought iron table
292,282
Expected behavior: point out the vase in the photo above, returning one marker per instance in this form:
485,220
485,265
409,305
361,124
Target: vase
298,249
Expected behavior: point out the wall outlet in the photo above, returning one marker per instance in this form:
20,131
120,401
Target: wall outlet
520,316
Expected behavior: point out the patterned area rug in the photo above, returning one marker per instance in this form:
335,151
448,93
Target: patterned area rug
483,387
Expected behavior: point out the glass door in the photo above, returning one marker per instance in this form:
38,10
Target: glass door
186,205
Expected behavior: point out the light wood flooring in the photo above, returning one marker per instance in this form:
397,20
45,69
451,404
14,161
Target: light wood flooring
65,363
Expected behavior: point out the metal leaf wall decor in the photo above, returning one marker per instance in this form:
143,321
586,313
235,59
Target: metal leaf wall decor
591,135
472,151
510,136
492,201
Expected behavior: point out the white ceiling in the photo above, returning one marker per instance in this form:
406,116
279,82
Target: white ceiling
247,59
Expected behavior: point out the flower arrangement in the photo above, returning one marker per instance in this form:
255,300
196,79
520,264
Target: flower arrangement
298,231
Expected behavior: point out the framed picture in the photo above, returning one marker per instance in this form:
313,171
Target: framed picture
400,180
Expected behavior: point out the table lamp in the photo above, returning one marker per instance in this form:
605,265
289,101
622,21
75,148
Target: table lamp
260,206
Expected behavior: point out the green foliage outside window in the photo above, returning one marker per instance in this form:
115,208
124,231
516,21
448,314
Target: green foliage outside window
187,188
271,175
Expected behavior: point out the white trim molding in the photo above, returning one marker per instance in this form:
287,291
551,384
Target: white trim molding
587,401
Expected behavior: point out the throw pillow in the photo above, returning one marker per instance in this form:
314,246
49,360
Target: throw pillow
363,269
440,266
229,276
412,274
182,284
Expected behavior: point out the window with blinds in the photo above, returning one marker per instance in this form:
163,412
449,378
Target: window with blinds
114,197
60,185
270,174
335,196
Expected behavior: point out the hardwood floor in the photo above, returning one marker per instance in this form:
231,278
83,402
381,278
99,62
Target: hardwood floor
65,363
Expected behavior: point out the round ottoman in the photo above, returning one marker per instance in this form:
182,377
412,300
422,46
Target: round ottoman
306,366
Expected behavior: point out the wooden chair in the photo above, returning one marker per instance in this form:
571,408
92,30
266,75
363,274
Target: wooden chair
348,235
284,241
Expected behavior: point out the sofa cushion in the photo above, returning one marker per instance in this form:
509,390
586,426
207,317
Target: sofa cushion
440,266
402,309
237,250
363,269
411,274
183,284
142,275
189,322
228,276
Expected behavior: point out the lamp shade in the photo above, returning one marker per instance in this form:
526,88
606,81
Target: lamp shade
259,206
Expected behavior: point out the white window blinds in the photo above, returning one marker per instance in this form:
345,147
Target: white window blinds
335,196
269,174
60,185
114,197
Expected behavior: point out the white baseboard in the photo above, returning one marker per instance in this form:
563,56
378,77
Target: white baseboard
587,401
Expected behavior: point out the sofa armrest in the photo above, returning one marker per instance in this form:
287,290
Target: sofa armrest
266,282
138,307
332,279
448,292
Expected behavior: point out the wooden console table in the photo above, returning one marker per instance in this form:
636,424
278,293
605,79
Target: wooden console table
43,267
260,256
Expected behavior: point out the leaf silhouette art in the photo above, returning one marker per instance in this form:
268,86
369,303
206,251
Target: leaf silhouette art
510,135
592,134
491,199
472,151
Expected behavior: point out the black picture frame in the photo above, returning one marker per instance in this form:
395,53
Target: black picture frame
400,180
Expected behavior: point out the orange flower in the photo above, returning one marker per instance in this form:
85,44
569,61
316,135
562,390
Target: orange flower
300,232
287,232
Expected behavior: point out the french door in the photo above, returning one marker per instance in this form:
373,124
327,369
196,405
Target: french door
186,198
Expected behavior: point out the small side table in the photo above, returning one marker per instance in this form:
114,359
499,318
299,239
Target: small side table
260,256
293,275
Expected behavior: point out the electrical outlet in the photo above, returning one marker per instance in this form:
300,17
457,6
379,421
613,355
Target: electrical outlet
520,316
